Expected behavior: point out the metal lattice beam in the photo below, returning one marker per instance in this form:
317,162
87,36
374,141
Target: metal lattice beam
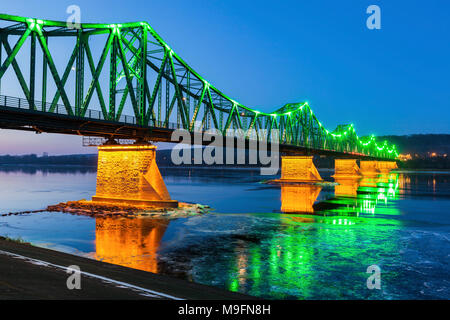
146,76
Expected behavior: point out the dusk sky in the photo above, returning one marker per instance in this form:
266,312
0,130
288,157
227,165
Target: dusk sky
267,53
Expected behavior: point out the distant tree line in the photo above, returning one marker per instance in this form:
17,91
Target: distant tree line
421,144
32,159
426,163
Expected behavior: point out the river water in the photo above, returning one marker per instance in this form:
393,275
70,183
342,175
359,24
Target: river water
277,242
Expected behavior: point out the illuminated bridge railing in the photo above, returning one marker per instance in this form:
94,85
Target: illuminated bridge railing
129,68
39,106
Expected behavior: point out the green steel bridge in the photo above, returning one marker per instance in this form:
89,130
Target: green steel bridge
128,68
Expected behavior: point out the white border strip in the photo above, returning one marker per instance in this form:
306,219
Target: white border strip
146,292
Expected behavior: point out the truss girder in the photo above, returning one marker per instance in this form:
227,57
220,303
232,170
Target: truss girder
143,76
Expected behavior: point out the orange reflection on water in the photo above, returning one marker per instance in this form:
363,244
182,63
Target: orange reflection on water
383,179
404,182
299,198
370,182
131,243
346,187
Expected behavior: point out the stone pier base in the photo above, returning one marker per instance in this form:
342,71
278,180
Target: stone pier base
373,168
346,168
369,168
299,169
128,174
386,166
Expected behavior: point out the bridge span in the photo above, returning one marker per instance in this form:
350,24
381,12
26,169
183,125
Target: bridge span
130,69
144,77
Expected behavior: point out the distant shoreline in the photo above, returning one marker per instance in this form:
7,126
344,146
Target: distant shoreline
46,165
164,161
93,168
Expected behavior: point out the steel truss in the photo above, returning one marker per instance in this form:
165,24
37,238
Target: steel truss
146,76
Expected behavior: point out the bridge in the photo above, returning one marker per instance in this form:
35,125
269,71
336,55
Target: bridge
145,76
144,91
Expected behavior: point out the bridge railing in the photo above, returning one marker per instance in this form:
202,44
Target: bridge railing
39,106
21,103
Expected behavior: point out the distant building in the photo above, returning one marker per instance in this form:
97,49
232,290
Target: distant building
405,157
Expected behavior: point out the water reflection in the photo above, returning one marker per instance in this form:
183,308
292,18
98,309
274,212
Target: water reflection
289,258
299,260
332,231
299,198
320,253
280,264
346,187
131,243
352,196
368,181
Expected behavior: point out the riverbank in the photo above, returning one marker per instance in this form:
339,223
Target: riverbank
29,272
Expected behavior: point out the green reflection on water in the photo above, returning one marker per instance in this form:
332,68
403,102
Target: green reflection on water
304,256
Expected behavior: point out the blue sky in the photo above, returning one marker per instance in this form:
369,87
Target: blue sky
267,53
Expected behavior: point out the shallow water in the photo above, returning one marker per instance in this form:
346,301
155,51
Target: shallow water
283,242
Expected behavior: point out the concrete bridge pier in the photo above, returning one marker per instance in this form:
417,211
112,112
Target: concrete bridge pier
346,168
369,168
386,166
128,174
347,174
299,169
373,168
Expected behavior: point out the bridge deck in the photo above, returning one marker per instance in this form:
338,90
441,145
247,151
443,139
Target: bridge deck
14,117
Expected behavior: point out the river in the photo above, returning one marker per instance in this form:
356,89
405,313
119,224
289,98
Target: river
255,241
